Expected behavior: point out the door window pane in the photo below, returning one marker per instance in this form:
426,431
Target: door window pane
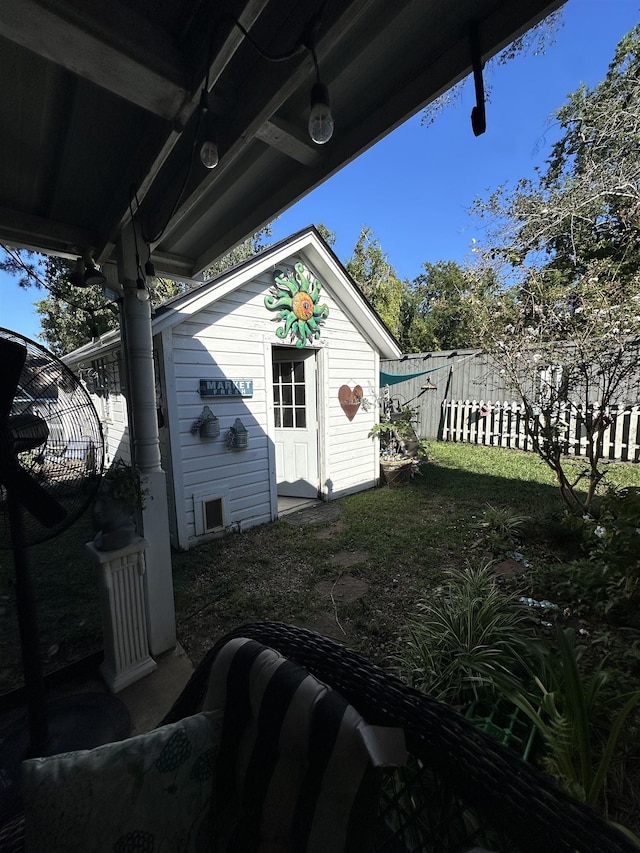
289,395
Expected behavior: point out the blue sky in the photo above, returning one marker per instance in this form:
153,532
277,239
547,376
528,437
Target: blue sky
415,187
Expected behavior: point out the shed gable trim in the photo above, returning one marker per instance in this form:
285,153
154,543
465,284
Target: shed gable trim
311,248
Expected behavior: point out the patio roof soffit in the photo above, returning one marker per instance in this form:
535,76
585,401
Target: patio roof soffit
104,97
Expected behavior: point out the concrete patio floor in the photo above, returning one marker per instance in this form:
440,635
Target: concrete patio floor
147,700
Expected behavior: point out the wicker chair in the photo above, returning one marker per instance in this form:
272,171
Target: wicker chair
461,788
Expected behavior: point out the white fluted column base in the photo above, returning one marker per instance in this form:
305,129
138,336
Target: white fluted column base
124,618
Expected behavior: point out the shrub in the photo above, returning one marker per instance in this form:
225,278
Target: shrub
617,533
469,641
608,577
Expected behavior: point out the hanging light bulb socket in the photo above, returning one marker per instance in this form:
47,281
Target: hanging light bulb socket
93,275
86,273
320,124
320,118
209,156
76,277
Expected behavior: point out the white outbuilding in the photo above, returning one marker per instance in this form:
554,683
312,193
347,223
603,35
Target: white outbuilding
267,382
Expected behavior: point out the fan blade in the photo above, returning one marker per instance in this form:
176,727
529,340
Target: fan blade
30,494
12,359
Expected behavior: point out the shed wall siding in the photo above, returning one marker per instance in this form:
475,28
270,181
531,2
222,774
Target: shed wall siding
228,340
111,407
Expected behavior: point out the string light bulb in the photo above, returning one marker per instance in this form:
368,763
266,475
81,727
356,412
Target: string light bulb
141,290
209,156
320,118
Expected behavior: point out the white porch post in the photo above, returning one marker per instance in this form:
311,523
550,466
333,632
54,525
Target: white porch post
143,431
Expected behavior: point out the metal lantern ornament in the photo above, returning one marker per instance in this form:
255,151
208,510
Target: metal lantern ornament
241,434
210,425
206,424
237,436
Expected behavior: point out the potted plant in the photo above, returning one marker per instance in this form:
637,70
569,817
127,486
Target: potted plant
119,497
401,451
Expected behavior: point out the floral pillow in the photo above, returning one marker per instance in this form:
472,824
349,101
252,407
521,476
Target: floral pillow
150,794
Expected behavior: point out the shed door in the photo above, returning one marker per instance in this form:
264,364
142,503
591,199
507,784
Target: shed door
295,433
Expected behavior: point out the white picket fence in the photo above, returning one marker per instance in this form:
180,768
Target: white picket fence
503,424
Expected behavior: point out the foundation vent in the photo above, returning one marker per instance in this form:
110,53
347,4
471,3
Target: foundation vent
212,512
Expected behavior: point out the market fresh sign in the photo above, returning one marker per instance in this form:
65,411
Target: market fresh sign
226,387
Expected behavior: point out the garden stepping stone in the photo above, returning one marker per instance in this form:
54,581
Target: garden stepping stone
330,531
319,514
343,591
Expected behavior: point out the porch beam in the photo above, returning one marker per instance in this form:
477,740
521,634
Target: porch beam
148,74
37,233
116,219
287,139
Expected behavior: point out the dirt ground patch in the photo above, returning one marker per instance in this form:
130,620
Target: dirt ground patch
330,531
345,589
346,559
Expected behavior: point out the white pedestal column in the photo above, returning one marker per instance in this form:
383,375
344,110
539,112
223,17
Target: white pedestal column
124,621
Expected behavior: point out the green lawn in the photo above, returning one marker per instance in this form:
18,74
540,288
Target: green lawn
397,541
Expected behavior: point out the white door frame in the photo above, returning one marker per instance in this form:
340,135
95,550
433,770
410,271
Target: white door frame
321,408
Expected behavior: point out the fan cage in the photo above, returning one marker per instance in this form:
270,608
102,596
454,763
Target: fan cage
57,440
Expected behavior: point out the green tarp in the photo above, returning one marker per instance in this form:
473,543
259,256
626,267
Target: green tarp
396,378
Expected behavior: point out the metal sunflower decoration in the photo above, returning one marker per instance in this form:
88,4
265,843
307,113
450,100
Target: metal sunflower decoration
295,296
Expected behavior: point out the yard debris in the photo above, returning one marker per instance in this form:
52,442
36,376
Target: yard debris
519,558
544,604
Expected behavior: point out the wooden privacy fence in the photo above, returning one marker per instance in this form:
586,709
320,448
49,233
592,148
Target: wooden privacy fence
504,425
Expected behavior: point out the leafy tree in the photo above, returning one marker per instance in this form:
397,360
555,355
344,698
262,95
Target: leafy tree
567,332
586,205
534,41
71,317
327,234
370,269
438,312
242,252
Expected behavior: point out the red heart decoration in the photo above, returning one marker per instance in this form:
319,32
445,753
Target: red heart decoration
350,400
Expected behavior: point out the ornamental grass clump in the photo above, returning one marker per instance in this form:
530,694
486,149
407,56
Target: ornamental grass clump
469,642
501,528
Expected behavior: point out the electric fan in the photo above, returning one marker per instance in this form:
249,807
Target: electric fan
51,458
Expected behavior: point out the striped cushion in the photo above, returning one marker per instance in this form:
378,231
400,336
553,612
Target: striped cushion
294,770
